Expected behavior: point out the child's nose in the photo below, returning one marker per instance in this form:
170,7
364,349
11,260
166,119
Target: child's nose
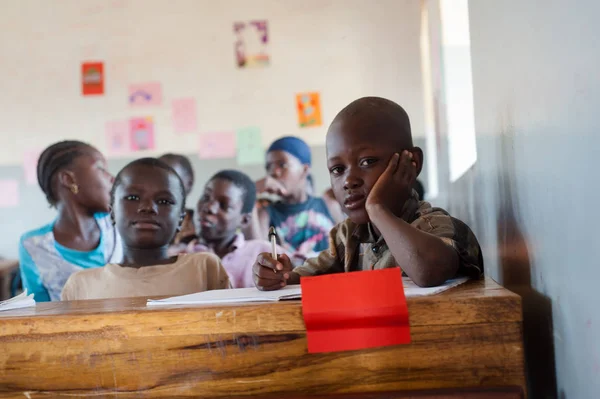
211,207
352,181
147,206
276,172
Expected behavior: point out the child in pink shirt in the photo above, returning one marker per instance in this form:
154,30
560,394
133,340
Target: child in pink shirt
223,210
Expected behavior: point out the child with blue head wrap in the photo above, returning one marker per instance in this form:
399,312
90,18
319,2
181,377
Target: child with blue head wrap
302,221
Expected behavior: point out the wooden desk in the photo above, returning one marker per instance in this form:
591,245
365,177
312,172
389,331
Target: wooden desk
469,336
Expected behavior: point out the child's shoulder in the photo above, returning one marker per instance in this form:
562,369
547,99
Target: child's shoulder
204,259
91,273
428,214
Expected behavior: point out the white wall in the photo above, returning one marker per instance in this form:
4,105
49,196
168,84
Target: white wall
537,96
343,48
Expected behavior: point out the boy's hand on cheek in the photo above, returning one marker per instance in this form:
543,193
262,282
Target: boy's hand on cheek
395,184
270,274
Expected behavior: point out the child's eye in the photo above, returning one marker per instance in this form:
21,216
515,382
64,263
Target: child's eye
225,206
132,198
336,170
165,201
367,162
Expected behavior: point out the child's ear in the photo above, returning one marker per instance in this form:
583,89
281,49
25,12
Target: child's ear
181,218
418,158
246,219
306,170
66,178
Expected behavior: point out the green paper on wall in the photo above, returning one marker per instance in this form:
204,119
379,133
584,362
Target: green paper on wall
250,150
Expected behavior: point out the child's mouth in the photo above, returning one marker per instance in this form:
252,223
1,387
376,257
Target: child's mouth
354,201
146,225
206,224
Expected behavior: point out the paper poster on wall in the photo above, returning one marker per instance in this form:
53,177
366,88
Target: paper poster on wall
308,106
216,145
251,43
10,193
30,161
249,146
92,78
117,137
144,94
184,115
141,134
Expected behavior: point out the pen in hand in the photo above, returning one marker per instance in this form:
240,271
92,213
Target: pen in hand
273,239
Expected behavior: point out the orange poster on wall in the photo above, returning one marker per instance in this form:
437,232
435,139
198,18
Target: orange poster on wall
309,109
92,78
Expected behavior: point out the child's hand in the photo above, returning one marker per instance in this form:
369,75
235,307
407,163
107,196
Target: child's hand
271,186
270,274
395,184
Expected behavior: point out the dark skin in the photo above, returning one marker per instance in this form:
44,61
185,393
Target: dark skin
147,210
82,189
373,170
220,215
286,178
187,226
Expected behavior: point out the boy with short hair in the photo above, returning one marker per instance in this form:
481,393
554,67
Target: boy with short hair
373,166
302,221
224,208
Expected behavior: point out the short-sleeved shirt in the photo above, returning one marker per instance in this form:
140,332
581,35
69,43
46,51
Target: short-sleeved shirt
46,265
354,247
238,262
304,228
187,275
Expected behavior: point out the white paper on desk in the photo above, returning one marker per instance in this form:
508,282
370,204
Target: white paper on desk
412,290
241,295
238,295
20,301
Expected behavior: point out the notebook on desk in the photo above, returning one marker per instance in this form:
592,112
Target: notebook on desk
238,295
241,295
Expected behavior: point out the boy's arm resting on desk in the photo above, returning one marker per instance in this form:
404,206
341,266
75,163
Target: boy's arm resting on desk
432,249
32,281
270,274
326,262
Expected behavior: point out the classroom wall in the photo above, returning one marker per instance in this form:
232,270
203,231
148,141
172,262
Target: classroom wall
344,49
531,196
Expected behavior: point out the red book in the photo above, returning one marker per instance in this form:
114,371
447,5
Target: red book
357,310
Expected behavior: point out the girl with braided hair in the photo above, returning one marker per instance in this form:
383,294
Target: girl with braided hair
74,178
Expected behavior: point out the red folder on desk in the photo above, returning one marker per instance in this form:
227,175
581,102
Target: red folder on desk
358,310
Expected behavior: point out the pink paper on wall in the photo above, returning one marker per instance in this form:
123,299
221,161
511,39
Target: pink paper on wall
217,145
184,115
117,137
141,134
143,94
30,160
10,193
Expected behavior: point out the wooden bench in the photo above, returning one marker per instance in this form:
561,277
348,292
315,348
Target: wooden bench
466,341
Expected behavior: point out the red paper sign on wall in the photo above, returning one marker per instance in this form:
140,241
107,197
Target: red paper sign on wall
92,78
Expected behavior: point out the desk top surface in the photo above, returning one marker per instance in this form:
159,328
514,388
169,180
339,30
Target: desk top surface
472,302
